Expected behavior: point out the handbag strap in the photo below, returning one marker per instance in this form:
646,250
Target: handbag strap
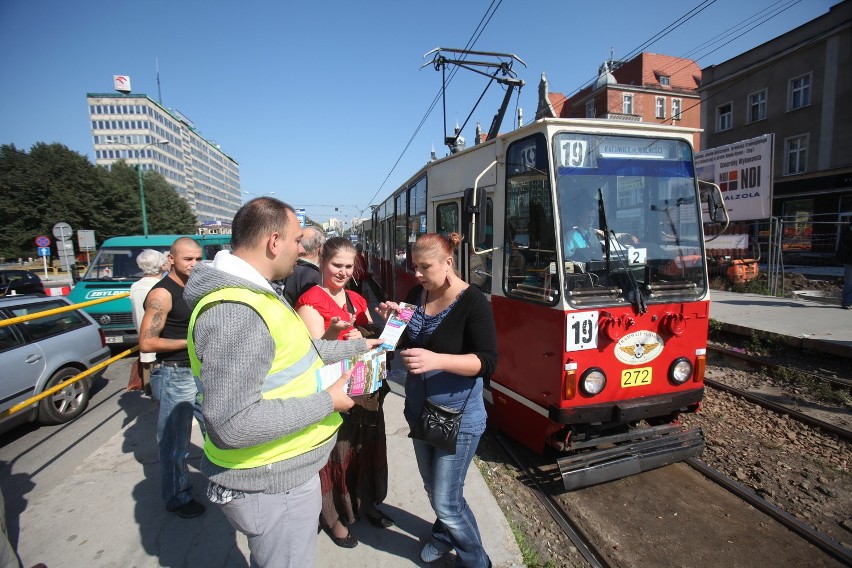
426,390
349,306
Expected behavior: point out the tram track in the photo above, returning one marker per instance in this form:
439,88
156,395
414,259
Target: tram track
774,370
777,370
546,487
815,537
542,484
594,557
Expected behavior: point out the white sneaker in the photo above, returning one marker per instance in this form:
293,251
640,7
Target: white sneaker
430,553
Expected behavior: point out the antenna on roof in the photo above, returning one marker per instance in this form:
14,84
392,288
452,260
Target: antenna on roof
159,92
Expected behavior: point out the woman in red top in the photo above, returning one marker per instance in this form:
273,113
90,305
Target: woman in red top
355,479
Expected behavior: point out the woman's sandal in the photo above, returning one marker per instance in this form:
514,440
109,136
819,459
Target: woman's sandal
347,541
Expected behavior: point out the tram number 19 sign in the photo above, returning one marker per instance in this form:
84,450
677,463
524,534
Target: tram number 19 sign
582,332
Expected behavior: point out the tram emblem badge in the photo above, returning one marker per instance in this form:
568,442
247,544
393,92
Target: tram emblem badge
639,347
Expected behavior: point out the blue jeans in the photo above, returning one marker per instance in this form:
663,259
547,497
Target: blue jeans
176,390
846,298
443,478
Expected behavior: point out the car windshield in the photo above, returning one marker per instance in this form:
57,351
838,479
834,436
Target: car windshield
631,222
117,264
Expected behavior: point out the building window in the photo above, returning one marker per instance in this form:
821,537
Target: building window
800,92
627,104
660,107
675,109
590,109
757,106
665,80
724,115
795,154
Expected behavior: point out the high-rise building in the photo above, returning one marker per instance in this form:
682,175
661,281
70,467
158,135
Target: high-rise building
137,129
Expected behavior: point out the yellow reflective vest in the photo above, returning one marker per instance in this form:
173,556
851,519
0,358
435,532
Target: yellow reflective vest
292,375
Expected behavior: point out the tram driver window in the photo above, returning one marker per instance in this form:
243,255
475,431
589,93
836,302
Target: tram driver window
529,259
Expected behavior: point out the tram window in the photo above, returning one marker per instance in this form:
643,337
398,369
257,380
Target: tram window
530,237
480,265
400,237
447,218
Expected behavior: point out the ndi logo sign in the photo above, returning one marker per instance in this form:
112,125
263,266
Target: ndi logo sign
743,171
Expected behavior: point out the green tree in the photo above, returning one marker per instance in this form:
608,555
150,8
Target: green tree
52,183
167,212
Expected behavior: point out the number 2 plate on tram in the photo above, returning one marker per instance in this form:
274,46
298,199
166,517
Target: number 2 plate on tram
636,377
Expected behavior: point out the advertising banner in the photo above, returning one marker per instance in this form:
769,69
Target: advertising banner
743,171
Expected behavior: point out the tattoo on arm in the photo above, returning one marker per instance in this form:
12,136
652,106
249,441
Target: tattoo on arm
158,319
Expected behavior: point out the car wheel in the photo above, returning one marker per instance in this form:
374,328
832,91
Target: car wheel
67,404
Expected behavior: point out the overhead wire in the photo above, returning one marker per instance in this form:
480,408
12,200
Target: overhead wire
477,33
739,28
770,11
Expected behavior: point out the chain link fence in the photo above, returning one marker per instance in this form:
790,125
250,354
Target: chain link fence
804,244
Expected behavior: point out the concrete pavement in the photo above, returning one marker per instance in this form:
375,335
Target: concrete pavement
108,513
803,323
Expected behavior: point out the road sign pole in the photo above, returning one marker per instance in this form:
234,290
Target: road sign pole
44,261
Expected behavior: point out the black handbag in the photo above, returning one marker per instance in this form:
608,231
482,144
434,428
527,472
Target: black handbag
438,425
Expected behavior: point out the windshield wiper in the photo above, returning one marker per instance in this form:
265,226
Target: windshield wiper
634,293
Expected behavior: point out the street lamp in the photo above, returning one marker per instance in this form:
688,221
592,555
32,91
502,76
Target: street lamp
138,153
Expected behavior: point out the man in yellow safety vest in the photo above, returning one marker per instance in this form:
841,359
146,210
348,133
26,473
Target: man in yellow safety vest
269,431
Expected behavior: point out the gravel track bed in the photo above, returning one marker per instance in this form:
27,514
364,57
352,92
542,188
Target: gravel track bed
796,467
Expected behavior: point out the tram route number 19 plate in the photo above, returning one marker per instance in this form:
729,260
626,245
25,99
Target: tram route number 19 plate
582,332
636,377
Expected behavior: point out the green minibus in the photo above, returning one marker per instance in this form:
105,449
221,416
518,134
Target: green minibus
114,269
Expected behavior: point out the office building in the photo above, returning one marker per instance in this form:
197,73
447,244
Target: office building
796,86
135,128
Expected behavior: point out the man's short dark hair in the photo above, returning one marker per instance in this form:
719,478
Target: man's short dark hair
259,217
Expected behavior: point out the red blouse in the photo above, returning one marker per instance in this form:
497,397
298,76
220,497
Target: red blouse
318,299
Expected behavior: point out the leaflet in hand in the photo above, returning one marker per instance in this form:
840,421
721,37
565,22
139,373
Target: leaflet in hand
368,371
396,325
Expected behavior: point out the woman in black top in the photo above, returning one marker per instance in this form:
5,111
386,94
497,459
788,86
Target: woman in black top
449,346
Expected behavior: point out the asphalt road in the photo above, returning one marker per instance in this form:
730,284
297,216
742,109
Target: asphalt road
35,458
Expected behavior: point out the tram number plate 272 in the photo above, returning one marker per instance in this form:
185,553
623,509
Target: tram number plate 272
582,332
636,377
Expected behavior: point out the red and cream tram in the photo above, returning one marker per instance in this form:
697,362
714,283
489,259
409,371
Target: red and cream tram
601,344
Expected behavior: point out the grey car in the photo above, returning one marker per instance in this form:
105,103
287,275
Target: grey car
41,353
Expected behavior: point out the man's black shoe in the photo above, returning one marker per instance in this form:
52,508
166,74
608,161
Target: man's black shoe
188,510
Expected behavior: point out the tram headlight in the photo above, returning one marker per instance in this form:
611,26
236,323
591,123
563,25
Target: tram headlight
680,370
593,381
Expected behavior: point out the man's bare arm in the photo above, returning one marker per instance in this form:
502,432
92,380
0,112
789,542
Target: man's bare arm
157,308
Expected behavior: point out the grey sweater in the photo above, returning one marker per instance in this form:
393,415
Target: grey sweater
236,353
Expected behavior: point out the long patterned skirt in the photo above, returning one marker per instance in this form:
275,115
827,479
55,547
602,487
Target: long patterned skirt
356,475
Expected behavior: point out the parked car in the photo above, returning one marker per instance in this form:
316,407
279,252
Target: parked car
20,282
41,353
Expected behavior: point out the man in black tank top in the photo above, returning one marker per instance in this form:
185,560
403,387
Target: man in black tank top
163,331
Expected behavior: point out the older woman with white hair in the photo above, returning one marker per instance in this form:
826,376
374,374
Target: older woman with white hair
150,262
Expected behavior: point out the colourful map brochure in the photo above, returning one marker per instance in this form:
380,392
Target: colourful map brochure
368,371
396,325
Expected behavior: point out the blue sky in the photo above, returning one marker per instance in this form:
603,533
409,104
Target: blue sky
317,100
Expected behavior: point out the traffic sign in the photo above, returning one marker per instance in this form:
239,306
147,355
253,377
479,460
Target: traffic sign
44,251
62,231
42,241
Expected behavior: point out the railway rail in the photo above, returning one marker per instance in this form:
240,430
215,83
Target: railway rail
773,368
777,370
584,545
815,537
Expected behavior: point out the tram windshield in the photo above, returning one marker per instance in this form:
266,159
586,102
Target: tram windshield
630,220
